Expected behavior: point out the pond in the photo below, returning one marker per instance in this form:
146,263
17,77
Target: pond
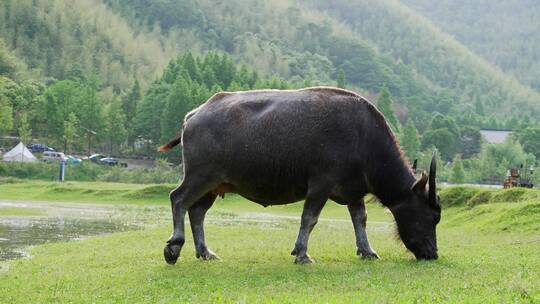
28,224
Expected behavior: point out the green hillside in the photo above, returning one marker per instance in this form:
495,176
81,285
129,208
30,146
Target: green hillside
55,38
409,38
375,43
503,32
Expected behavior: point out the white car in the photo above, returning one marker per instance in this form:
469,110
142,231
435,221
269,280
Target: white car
54,156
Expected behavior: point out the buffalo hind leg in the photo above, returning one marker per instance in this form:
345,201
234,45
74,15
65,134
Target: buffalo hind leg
359,218
315,201
182,198
197,212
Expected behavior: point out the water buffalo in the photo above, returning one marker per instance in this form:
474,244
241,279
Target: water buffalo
278,147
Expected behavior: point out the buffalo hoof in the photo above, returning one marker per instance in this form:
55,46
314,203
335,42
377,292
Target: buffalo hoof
370,255
171,253
303,259
208,256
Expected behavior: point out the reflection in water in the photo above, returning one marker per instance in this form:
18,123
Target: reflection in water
18,233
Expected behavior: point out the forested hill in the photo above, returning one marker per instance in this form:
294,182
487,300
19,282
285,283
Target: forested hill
54,38
409,38
506,33
375,43
117,76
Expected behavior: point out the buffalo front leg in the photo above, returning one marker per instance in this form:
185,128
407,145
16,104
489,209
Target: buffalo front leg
310,215
182,198
359,218
197,213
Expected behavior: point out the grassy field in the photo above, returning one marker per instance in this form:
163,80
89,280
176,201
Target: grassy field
489,252
21,212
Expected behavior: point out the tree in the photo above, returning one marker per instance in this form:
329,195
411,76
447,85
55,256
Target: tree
479,107
70,129
341,79
440,121
410,140
25,133
177,106
115,125
147,121
471,141
90,111
129,102
129,107
384,104
6,119
8,63
457,175
60,101
442,139
444,134
530,140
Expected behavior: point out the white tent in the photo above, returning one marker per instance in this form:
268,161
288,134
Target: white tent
19,154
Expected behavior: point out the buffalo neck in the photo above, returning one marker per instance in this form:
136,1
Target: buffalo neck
388,175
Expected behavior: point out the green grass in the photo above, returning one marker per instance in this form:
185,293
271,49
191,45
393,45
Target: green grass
16,211
85,192
488,253
128,267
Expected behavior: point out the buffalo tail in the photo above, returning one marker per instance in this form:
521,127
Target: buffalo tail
171,144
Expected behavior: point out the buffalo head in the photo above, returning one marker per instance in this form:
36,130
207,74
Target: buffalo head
418,214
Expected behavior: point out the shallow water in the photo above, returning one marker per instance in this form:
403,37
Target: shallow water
60,222
65,222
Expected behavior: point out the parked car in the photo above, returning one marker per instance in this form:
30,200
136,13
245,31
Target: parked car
54,156
111,161
73,160
39,148
96,157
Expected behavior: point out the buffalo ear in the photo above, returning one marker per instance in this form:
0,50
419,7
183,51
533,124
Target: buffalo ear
414,166
420,185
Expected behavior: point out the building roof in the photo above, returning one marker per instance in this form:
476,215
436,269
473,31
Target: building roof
495,136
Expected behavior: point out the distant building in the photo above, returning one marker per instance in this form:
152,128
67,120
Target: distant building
495,136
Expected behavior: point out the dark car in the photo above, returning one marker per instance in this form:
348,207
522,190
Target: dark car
96,158
109,161
112,162
39,148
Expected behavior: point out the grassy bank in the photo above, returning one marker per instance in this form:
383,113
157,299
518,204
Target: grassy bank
256,267
157,194
488,253
85,192
111,192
